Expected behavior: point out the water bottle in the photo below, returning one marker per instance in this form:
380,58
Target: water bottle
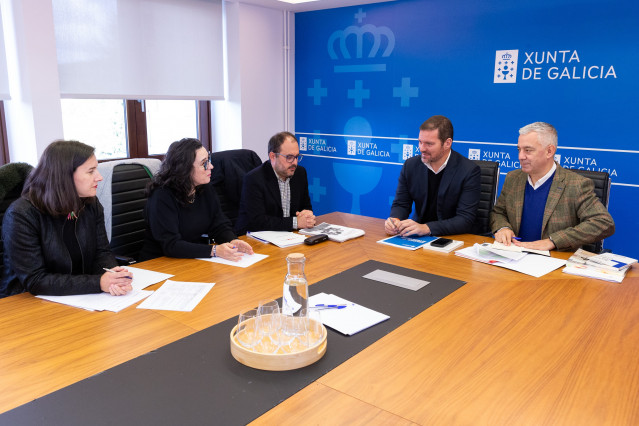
295,297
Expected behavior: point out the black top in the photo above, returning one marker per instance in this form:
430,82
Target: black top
176,230
72,245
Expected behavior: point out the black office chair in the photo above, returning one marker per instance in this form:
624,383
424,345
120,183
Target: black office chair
12,178
602,190
128,199
489,183
229,168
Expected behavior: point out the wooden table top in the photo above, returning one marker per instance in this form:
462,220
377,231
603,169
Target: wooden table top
504,348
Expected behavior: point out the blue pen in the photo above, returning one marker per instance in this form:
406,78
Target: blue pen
323,306
516,238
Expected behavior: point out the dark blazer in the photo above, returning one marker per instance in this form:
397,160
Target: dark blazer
261,203
573,216
457,199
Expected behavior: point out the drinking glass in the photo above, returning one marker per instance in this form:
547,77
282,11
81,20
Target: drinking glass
293,333
268,325
246,328
314,328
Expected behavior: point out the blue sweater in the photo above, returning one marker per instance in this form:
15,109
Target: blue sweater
532,216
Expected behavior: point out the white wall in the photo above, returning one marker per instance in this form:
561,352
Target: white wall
255,64
254,108
34,114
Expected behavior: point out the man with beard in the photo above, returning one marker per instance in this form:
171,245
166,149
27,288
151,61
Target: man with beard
275,195
443,185
544,206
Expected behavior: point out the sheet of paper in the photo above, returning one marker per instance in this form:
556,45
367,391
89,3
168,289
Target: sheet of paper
142,278
177,296
349,320
100,301
278,238
534,264
396,279
499,246
246,260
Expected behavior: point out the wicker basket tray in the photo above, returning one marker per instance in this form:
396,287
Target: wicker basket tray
277,361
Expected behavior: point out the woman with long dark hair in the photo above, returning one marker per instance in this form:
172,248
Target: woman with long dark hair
54,237
183,207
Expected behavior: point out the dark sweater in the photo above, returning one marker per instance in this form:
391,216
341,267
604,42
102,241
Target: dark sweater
176,230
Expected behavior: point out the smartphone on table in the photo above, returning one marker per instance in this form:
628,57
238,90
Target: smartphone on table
441,242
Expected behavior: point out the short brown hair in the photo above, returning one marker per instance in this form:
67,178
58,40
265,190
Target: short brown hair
440,123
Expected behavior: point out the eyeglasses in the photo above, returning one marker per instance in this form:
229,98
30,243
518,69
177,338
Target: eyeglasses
290,158
205,162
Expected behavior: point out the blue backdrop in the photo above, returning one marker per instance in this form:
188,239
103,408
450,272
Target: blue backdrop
368,76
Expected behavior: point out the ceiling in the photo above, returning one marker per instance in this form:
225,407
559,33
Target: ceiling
304,7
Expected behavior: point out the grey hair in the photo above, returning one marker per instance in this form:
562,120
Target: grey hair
546,133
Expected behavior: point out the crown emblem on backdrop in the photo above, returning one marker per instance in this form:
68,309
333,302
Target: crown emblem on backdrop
506,56
361,42
356,48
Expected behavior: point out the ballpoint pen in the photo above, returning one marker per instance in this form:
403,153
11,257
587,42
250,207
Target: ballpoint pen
113,272
323,306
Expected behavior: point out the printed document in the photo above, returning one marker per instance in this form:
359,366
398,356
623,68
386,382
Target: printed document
246,260
177,296
349,320
100,301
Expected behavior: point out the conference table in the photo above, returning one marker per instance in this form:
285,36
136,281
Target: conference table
505,348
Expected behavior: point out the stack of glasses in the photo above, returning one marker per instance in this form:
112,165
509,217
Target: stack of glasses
266,330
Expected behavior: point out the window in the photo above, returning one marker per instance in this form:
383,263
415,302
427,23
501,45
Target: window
100,123
133,129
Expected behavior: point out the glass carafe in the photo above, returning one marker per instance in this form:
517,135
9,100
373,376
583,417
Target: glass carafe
295,295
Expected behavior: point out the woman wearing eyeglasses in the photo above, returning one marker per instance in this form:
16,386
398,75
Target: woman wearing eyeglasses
183,209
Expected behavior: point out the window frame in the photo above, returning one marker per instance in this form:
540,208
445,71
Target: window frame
137,139
4,140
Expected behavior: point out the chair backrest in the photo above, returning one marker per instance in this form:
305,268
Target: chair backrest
124,205
602,190
489,183
229,168
12,178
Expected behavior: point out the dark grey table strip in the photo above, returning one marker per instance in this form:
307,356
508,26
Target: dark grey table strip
196,380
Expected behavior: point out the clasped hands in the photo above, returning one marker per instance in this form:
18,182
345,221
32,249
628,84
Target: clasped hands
506,236
305,219
233,250
394,226
116,281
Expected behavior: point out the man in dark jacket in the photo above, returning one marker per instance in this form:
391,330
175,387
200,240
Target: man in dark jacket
443,185
275,195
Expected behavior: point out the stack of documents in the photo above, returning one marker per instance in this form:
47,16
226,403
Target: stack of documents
526,263
605,266
279,238
349,318
142,278
335,232
409,243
